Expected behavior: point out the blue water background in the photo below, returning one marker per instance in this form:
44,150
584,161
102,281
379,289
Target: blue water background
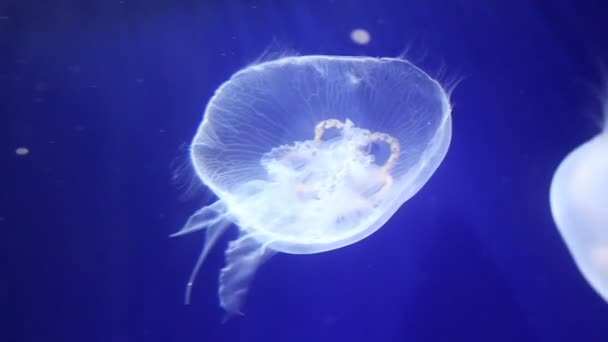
107,95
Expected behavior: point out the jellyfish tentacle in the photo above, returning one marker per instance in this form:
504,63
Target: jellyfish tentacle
211,217
203,218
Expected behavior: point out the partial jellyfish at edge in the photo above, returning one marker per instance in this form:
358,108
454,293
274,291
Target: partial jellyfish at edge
579,205
308,154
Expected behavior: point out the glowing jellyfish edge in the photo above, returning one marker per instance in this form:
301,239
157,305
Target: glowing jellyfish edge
317,191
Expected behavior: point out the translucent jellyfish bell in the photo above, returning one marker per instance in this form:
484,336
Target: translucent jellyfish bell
312,153
579,204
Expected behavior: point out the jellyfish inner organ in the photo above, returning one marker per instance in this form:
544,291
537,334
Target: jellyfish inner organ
320,187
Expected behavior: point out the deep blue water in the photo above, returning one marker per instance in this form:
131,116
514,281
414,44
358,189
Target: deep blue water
106,96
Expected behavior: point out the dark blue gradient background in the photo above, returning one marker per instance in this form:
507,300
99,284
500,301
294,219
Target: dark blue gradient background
107,94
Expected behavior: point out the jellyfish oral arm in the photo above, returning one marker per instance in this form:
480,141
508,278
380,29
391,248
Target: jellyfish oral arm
243,257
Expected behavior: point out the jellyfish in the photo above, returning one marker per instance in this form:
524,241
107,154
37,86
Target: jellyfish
579,205
308,154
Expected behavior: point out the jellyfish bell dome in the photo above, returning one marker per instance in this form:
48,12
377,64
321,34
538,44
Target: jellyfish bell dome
579,205
311,153
257,145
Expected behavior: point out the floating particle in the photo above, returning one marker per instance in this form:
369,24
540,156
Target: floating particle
22,151
360,36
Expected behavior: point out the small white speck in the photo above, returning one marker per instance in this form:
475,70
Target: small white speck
360,36
161,130
22,151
